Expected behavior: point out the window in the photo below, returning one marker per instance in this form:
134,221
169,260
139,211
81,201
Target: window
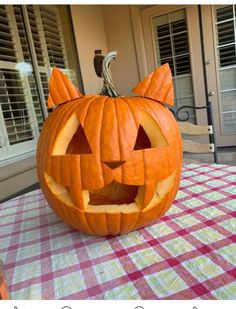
33,39
225,25
172,46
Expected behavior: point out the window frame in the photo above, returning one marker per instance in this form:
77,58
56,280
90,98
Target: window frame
14,153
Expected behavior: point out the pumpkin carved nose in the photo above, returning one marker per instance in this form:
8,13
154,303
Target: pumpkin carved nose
114,164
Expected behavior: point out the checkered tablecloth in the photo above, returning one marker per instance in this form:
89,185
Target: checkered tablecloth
189,254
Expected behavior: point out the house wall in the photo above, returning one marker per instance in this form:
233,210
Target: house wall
89,32
120,37
105,27
17,176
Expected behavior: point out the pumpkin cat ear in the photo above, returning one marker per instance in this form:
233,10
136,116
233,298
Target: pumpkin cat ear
157,86
61,89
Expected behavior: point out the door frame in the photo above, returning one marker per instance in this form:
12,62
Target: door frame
212,73
141,19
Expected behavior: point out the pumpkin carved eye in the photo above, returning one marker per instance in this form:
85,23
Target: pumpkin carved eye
142,140
149,134
79,143
72,139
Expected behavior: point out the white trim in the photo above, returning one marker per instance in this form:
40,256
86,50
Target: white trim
26,155
139,41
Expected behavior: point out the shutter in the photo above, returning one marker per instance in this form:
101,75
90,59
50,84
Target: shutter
27,59
37,39
173,46
44,81
7,49
171,40
225,24
14,108
31,43
18,126
226,35
53,37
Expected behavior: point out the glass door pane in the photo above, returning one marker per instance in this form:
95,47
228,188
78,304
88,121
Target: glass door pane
225,27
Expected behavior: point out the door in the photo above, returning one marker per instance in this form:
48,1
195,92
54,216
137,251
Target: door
172,34
220,55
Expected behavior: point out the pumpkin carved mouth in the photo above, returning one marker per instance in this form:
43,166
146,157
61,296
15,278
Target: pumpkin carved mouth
113,193
122,197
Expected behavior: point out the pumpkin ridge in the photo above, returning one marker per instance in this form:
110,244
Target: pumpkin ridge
118,131
86,119
87,220
148,103
119,141
168,114
63,113
100,137
134,221
136,121
84,106
163,112
126,110
55,124
51,137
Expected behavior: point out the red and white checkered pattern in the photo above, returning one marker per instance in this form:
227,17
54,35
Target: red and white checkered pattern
189,254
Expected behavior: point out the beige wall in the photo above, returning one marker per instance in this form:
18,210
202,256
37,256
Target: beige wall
119,34
17,176
106,27
90,35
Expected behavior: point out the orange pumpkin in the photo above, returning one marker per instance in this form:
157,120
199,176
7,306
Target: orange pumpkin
108,166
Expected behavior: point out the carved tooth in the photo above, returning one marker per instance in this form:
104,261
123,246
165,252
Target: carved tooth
85,198
148,194
59,190
140,197
163,187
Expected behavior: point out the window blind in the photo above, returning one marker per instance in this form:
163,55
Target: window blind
31,43
225,25
53,37
27,59
14,108
7,50
172,46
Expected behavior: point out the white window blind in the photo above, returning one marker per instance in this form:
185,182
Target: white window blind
27,59
171,41
14,108
18,122
53,37
225,24
31,43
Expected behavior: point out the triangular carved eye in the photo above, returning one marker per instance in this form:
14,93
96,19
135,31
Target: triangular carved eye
142,140
79,143
149,133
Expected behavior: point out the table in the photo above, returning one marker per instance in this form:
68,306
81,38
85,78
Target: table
190,253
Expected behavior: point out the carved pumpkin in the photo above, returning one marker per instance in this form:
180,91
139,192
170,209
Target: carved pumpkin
108,166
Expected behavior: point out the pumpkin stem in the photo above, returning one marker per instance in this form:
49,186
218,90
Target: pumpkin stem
108,84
